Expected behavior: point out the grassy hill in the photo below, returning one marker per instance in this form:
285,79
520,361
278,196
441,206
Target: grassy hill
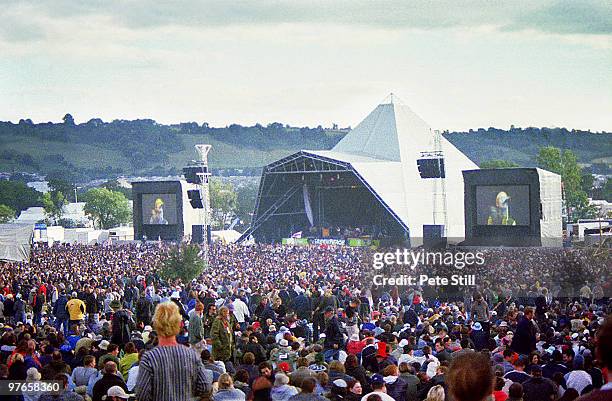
522,145
97,149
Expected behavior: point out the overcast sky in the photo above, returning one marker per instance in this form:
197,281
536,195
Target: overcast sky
459,64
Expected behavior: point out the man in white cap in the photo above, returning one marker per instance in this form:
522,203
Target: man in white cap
116,393
109,380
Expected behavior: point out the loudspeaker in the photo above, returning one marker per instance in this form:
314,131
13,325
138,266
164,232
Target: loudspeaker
197,234
208,235
195,198
196,174
433,236
431,168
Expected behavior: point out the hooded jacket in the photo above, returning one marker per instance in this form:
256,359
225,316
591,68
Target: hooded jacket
396,387
282,393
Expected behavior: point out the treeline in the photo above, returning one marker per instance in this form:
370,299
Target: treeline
145,147
144,143
521,145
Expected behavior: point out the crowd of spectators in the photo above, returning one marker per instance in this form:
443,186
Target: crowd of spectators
270,322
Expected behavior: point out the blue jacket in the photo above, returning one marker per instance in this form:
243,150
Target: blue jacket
59,309
302,306
229,395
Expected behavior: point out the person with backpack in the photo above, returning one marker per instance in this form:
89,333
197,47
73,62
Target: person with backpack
144,310
122,324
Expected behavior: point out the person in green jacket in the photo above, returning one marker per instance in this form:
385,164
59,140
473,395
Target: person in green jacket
196,327
222,336
130,357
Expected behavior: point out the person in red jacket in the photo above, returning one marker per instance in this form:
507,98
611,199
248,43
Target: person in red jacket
354,345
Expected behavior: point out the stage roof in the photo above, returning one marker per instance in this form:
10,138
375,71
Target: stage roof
383,149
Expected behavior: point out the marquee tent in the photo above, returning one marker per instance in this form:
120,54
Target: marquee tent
15,241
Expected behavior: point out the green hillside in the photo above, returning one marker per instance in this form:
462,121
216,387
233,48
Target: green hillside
98,149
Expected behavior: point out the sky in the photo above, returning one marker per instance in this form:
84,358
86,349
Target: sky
458,64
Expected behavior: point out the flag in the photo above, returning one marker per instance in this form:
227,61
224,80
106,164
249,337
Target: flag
297,235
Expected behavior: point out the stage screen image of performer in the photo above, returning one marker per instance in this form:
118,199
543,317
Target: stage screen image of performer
159,209
503,205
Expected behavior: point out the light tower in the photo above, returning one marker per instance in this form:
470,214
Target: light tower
204,188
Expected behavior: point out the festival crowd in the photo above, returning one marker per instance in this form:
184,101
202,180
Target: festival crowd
272,323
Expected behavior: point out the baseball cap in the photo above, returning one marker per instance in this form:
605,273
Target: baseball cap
340,383
117,391
284,366
377,379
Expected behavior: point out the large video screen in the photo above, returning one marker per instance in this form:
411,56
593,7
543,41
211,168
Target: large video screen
159,209
502,205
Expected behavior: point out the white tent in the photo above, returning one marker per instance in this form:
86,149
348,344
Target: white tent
384,148
15,241
225,236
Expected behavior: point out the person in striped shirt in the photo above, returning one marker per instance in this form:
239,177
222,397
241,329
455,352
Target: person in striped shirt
171,371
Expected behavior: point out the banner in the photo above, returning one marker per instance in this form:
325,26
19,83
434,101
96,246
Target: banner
295,241
307,206
327,241
362,242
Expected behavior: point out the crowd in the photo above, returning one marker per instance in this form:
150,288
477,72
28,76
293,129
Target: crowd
265,322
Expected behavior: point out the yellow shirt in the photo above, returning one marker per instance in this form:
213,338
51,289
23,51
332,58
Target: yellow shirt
76,309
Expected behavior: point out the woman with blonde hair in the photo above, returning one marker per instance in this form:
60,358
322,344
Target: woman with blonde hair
226,391
171,371
436,393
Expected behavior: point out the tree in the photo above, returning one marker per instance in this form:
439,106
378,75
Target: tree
607,190
183,262
63,186
586,181
246,198
18,196
549,158
68,119
223,202
54,202
107,208
565,164
6,214
113,185
498,164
